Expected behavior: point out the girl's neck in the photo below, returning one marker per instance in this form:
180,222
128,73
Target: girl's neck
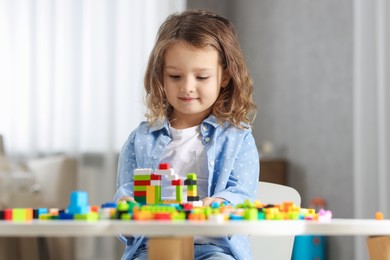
179,124
182,123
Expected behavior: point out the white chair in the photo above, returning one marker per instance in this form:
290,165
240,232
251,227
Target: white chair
278,247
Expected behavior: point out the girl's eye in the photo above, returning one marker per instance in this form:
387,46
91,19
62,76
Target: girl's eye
202,78
175,77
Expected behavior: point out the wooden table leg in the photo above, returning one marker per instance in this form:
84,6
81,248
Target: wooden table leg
171,248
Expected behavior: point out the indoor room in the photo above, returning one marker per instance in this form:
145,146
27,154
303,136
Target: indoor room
72,90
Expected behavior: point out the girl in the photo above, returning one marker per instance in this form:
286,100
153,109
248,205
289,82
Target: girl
200,108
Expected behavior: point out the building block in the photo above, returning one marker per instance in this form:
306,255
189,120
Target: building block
179,194
39,211
142,177
140,193
150,195
140,188
142,183
189,182
164,166
155,177
142,171
78,203
109,205
65,216
177,182
45,216
8,214
192,176
22,214
90,216
155,183
192,193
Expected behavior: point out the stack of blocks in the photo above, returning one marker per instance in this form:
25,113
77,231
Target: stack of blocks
148,185
192,189
165,170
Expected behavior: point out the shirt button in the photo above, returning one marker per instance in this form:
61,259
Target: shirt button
211,163
204,128
207,139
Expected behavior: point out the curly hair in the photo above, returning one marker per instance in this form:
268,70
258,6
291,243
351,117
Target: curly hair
202,29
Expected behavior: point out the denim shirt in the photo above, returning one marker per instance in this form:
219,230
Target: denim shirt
233,164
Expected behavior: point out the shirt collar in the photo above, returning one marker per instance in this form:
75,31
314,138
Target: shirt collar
164,125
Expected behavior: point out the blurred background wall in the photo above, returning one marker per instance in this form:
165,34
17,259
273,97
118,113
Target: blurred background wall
300,54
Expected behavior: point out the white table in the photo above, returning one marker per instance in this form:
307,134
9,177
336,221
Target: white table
63,228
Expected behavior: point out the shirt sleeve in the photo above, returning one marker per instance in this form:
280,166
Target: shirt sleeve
244,175
126,165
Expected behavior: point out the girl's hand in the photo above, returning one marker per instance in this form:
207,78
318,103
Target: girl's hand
127,198
208,200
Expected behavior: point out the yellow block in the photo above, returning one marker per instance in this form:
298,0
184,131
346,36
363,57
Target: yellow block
192,193
150,195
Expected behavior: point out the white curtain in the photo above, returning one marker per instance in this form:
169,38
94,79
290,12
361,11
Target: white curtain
371,112
71,81
71,76
71,71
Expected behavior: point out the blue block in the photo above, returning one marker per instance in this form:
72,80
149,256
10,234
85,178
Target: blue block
109,205
78,203
65,216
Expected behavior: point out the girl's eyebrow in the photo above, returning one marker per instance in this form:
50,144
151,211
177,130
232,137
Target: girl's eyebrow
196,69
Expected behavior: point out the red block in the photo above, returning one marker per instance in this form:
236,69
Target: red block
163,166
188,206
140,193
178,182
162,216
155,177
8,214
141,183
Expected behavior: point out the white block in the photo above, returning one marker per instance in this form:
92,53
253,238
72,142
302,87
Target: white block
155,183
142,171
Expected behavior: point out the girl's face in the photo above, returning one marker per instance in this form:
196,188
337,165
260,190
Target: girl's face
193,78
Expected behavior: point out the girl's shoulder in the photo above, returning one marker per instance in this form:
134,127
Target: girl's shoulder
144,128
231,128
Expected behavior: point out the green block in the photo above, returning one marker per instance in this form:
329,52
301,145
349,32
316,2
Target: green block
179,193
19,214
91,216
179,217
139,188
142,177
132,205
122,206
250,214
140,199
192,176
192,187
126,216
157,194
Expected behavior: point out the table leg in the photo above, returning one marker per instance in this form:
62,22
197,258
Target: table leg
171,248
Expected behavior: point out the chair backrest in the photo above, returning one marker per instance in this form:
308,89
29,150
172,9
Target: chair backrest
279,247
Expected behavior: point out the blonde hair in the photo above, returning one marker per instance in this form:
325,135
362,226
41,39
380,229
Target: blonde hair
201,29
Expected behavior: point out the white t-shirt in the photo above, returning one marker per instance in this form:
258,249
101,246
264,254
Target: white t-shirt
186,154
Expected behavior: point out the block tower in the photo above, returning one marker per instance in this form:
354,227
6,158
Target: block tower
147,186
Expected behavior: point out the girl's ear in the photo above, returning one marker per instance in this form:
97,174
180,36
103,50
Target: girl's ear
225,79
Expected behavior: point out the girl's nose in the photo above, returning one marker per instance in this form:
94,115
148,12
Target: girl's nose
187,86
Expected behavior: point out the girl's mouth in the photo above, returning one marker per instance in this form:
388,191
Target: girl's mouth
187,99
